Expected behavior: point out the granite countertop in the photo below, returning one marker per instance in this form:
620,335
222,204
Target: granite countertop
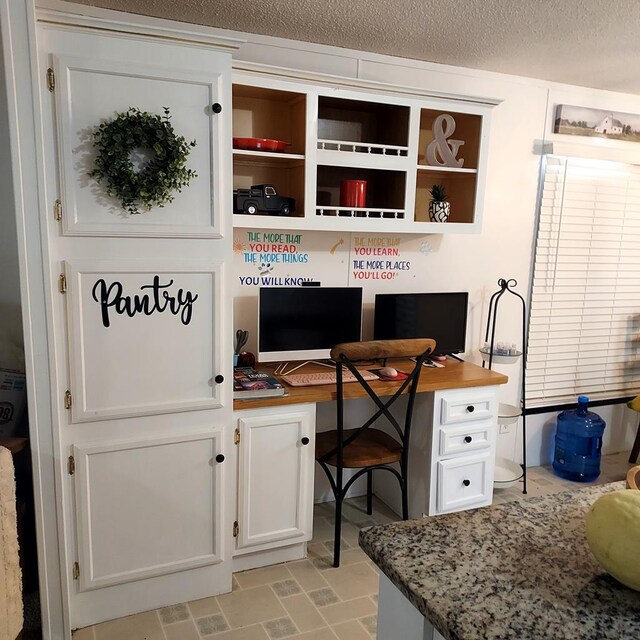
518,571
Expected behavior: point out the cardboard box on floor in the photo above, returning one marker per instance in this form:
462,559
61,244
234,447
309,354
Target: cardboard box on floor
13,401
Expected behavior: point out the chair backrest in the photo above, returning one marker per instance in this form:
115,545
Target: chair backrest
348,355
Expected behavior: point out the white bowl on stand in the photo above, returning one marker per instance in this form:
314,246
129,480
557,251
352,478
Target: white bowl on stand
508,413
506,473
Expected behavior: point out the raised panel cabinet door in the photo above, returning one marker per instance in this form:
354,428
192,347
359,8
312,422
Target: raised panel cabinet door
143,339
91,91
149,507
275,479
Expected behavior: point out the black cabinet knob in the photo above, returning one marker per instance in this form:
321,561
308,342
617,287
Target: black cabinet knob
305,440
219,379
219,458
216,107
468,439
470,409
466,483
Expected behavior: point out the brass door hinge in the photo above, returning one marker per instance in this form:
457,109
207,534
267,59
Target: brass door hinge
236,529
51,79
68,399
57,210
76,570
62,283
236,436
71,465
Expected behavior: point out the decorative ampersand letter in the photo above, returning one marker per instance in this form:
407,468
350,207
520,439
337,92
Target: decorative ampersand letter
441,151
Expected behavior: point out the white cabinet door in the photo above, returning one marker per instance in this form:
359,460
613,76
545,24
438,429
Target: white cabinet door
130,495
129,318
275,477
91,90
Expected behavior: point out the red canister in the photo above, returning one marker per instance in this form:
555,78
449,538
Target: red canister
353,193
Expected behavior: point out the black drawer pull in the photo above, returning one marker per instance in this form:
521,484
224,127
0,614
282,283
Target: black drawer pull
470,409
219,379
466,483
305,440
216,107
219,458
468,439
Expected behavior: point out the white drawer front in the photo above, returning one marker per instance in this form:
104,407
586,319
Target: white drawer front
469,437
465,409
464,482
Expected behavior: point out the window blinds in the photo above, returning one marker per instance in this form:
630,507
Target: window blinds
584,328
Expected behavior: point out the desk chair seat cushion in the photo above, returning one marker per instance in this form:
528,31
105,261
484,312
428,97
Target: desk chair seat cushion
371,447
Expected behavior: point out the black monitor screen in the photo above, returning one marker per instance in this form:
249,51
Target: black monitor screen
300,322
441,316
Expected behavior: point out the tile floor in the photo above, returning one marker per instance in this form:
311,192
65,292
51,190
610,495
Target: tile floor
306,599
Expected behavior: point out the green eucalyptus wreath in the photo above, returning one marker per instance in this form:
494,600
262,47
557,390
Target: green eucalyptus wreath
163,174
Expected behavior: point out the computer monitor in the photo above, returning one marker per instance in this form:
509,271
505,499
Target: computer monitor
304,323
441,316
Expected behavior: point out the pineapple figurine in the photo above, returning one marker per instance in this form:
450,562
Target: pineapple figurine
439,207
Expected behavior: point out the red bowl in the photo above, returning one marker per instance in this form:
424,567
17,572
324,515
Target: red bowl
259,144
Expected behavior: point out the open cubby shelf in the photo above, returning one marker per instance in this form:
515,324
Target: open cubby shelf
357,135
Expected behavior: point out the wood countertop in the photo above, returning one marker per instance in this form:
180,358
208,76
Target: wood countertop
454,375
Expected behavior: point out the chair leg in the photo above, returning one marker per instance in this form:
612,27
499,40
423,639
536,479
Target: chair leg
338,531
405,499
635,450
369,492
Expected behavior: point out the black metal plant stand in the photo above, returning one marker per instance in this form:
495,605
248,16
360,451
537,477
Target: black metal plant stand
506,286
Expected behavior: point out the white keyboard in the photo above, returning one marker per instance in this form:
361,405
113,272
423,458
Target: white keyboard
323,377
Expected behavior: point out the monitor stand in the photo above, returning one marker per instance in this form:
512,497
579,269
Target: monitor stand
281,369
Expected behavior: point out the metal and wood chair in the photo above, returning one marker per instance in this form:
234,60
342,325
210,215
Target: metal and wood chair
363,447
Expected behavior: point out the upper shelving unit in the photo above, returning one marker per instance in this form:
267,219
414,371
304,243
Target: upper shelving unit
395,147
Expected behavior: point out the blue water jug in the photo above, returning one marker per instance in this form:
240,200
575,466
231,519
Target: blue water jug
578,443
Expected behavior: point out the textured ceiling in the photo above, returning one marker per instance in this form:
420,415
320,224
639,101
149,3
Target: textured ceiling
585,42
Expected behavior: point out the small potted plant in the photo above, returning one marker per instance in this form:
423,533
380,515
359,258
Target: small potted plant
439,207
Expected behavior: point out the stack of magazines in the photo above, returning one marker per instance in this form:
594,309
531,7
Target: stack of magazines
249,383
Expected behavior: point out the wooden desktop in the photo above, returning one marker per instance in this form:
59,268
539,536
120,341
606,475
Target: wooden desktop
454,375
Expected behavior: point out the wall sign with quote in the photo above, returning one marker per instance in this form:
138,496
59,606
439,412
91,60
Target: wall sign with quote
143,340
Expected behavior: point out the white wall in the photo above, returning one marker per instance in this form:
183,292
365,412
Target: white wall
520,126
11,339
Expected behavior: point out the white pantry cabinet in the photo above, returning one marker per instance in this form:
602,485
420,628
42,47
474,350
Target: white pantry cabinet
275,449
140,327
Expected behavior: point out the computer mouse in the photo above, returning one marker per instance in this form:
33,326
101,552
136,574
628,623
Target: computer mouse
388,372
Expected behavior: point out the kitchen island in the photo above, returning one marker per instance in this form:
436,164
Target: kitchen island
516,571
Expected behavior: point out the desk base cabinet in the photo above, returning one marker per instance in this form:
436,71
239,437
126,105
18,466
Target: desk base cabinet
275,448
451,453
465,426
